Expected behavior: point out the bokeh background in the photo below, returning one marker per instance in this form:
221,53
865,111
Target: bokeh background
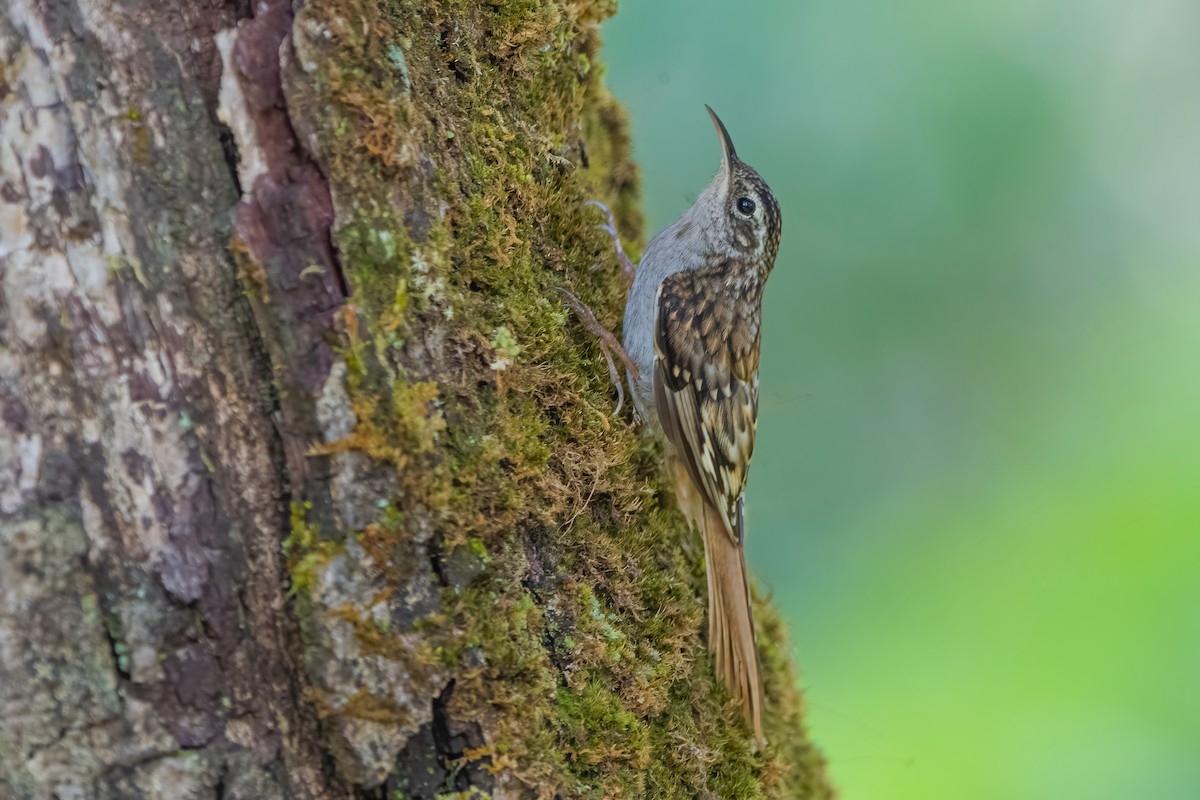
976,493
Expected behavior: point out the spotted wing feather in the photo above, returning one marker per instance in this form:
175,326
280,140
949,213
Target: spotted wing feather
706,385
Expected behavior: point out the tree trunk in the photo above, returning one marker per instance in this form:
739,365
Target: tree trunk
308,485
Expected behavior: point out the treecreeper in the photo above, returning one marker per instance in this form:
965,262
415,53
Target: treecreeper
692,330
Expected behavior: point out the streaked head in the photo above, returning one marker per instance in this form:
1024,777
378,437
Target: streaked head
747,207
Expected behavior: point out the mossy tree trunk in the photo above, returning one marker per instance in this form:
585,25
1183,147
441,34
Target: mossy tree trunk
308,486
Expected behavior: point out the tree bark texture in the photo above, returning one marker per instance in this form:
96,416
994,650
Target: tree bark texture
308,485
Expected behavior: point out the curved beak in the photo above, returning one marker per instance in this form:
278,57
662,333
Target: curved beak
728,154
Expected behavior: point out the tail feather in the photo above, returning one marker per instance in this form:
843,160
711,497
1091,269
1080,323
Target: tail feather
730,625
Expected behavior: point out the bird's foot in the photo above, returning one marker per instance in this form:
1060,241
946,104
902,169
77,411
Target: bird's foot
609,345
628,268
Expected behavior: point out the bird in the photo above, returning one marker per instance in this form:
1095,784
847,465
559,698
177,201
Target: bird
690,344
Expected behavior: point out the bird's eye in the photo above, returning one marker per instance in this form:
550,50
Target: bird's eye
745,205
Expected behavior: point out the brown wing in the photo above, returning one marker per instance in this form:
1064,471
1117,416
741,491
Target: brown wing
706,385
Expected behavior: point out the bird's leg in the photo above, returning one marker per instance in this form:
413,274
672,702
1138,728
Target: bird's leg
608,344
610,227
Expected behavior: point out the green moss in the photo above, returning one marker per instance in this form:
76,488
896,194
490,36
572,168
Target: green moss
607,743
141,140
473,793
478,548
462,142
305,551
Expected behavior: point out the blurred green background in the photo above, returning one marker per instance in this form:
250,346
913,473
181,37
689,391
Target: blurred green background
976,493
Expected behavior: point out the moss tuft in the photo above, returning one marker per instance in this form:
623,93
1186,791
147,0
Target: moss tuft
305,551
462,142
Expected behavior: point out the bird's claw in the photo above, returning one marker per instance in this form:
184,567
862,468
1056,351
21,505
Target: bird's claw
607,341
628,268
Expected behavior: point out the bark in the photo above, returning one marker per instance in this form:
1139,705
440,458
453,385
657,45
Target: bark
308,486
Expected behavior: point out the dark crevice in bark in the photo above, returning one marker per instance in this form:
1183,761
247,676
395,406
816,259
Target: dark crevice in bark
119,658
541,579
241,9
431,764
438,564
283,228
230,149
284,222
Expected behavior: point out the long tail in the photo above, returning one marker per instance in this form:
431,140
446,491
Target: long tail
730,626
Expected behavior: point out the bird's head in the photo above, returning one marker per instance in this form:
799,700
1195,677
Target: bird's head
741,205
